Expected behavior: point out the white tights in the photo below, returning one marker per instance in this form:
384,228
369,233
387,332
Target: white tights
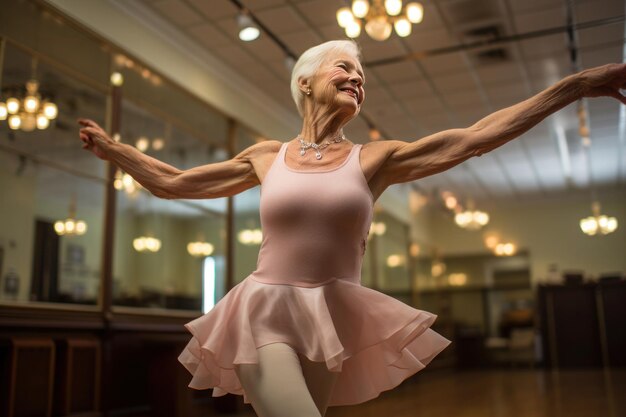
286,384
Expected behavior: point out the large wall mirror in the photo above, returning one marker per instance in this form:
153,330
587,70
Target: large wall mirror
52,207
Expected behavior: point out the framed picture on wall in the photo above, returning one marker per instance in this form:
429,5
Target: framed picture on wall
75,255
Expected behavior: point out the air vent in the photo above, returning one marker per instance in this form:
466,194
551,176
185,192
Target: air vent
487,55
491,56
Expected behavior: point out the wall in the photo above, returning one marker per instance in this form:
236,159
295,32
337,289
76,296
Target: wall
548,230
17,227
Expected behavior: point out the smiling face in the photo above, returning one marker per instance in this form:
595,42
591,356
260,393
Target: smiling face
338,84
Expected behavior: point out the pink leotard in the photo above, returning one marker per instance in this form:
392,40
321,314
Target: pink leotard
306,291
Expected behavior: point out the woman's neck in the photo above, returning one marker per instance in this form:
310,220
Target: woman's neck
321,125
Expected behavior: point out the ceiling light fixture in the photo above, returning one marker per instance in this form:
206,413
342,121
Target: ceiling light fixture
200,249
598,223
379,18
250,236
471,219
70,226
146,244
30,112
248,31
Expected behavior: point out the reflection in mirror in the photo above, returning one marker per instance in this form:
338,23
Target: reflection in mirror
168,254
47,179
41,262
387,262
488,293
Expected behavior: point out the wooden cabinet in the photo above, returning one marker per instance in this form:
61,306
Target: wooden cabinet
583,325
27,376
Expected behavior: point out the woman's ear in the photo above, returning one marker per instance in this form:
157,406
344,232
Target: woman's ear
304,85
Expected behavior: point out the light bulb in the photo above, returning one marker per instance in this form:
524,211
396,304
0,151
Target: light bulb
15,121
403,27
31,104
127,180
70,225
393,7
50,110
344,17
42,122
3,111
117,79
360,8
158,144
353,29
414,12
249,34
142,144
81,227
13,105
139,244
59,227
450,202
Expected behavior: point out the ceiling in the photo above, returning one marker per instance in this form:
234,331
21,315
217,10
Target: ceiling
451,86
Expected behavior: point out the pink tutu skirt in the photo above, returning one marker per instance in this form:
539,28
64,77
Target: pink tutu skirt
374,341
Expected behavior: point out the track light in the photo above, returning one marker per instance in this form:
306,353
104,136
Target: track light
248,31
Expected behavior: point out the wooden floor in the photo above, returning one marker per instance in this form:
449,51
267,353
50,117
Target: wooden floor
500,393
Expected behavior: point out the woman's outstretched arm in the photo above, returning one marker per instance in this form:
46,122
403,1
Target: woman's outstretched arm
408,161
215,180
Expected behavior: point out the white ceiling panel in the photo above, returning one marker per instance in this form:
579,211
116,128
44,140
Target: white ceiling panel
398,72
523,6
178,12
466,183
208,35
319,12
281,19
454,83
444,64
302,40
488,172
604,164
427,40
544,46
215,9
545,18
414,88
589,10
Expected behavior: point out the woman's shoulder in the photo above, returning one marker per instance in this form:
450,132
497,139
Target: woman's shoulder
261,149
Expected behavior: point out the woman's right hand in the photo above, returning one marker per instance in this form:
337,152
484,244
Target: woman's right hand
94,138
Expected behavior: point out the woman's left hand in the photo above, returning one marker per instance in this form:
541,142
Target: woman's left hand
606,80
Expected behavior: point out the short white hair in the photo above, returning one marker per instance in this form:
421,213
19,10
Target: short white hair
310,61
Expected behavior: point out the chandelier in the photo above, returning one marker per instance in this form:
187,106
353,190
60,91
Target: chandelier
598,223
379,18
471,219
199,249
70,226
146,244
29,110
124,181
505,249
250,236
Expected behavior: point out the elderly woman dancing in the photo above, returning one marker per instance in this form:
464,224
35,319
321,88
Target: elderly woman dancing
301,333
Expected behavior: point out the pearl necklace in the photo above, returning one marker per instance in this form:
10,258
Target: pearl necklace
340,137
